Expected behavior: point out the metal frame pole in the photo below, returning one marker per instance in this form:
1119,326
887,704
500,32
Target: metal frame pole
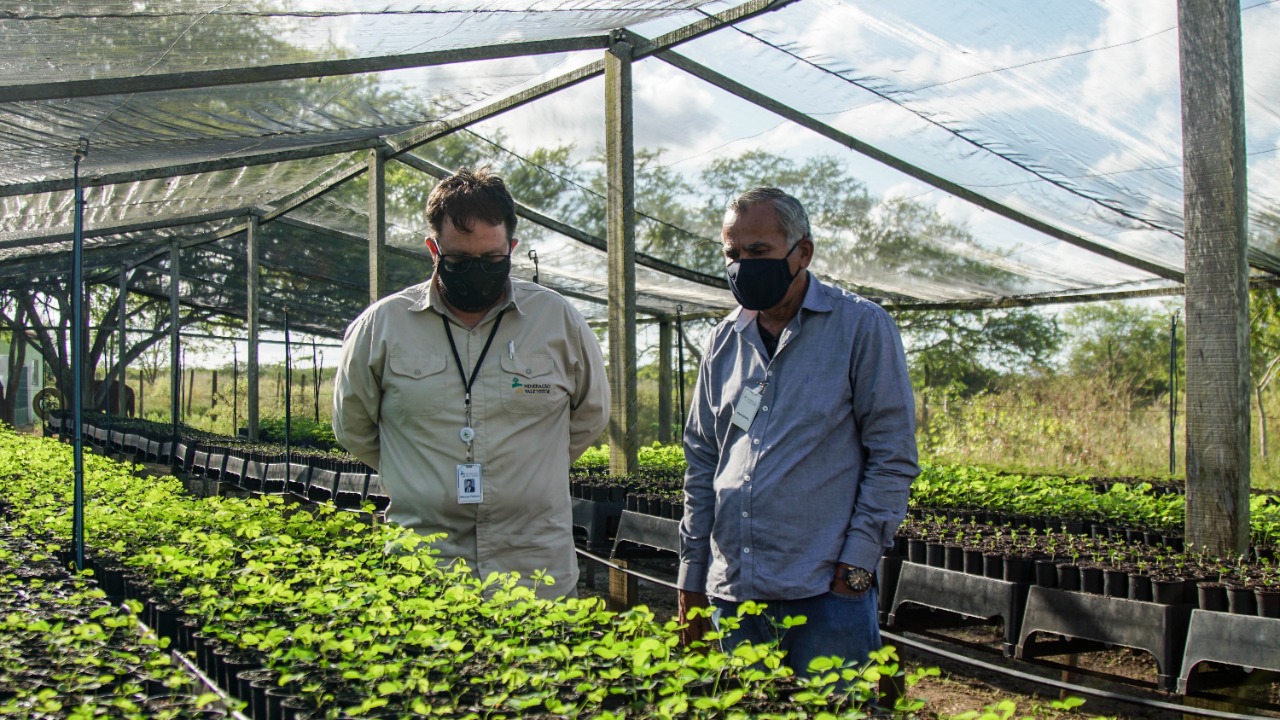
288,393
1173,388
77,359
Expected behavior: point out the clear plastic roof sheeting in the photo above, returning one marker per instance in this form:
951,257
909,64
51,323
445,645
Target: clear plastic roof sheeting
1054,131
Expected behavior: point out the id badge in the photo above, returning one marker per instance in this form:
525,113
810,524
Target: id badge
744,411
470,484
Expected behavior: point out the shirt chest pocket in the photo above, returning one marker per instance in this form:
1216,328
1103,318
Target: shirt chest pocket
532,385
417,385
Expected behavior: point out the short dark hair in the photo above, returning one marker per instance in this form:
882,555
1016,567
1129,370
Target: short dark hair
468,195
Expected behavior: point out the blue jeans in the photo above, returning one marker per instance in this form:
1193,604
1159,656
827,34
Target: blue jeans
847,627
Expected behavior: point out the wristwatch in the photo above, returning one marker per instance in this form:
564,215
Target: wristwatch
857,579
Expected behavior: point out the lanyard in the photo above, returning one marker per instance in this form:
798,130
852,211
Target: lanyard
468,433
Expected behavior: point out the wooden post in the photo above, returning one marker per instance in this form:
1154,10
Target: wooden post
622,255
377,226
624,589
251,311
665,417
1217,273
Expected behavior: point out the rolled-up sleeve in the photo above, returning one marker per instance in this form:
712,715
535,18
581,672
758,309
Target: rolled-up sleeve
357,394
702,455
884,410
589,404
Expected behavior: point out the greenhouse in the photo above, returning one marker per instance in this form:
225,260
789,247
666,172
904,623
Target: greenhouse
252,172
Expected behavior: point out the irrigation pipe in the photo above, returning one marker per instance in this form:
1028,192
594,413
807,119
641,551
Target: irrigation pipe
629,571
1058,684
224,699
1075,689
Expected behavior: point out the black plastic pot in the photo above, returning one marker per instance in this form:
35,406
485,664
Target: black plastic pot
1140,587
973,562
1242,601
935,554
1019,569
1268,600
955,558
1168,592
1212,596
993,565
1047,573
1115,583
1091,580
1068,576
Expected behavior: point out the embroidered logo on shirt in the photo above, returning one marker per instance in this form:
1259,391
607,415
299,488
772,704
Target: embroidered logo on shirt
515,383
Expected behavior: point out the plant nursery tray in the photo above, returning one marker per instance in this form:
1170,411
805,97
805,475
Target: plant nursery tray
648,530
973,596
599,519
1243,641
1158,629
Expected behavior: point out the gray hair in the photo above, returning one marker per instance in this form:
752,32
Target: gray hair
793,221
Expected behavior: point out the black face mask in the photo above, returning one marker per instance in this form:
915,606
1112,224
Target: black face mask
760,283
474,284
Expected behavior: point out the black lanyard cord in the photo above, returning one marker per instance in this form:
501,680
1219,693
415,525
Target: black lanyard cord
468,384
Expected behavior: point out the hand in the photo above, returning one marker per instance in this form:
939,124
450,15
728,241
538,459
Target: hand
837,583
695,627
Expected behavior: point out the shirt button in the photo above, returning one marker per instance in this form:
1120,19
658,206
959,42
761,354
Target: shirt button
746,551
770,373
745,514
746,478
756,441
764,408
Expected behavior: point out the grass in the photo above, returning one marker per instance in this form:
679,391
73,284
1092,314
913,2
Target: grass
1071,425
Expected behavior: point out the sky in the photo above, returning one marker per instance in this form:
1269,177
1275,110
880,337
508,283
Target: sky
994,94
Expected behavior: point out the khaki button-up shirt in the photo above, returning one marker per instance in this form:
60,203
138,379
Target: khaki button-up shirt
540,399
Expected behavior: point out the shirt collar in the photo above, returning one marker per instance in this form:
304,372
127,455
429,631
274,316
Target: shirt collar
427,296
815,300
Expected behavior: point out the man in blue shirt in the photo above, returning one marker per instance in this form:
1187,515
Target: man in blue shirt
800,444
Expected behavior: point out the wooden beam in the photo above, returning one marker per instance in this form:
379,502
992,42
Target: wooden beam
377,226
665,416
162,82
253,253
760,99
621,214
1216,219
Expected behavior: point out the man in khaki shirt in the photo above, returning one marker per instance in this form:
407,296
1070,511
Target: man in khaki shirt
488,466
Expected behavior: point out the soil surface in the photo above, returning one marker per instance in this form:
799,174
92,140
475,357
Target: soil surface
961,687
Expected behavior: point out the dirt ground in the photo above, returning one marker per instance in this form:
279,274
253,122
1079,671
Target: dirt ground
961,687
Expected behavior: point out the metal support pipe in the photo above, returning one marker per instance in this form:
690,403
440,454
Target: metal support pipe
122,336
1173,387
288,393
665,417
77,359
175,342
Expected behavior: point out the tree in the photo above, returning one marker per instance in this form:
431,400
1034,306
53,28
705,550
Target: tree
43,309
1127,343
966,350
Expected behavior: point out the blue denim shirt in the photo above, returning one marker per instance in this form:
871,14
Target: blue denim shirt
822,476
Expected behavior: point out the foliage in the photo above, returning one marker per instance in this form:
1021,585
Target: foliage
1126,343
302,431
968,350
357,617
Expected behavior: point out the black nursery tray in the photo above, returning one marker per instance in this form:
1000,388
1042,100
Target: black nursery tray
973,596
599,519
1158,629
649,530
1242,641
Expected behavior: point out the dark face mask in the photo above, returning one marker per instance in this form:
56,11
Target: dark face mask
473,285
760,283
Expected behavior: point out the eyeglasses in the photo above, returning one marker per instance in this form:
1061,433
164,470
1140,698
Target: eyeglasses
493,264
